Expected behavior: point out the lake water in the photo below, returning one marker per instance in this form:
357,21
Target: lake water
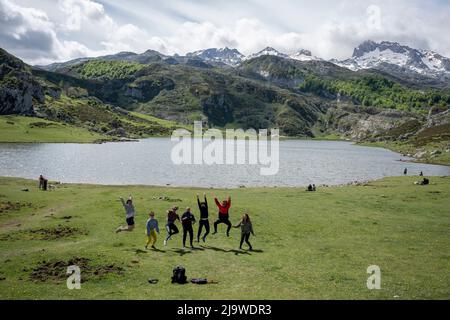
148,162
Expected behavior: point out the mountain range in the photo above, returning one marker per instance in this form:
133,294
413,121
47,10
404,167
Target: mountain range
390,57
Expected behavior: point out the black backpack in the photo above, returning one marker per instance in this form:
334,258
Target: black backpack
179,275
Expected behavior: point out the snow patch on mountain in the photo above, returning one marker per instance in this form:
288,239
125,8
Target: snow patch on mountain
269,51
385,54
231,57
304,55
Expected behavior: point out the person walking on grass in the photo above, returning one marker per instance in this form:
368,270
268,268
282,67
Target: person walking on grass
152,230
246,229
187,220
171,228
224,217
130,213
204,220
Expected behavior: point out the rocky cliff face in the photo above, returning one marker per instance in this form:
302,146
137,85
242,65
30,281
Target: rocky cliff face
19,91
368,123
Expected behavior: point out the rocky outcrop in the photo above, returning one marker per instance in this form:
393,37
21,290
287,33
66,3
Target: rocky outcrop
19,92
369,123
146,88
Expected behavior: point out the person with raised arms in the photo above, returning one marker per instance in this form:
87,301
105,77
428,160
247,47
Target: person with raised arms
130,212
224,216
204,219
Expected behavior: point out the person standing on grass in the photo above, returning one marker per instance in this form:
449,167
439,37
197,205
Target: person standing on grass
405,172
171,228
43,183
187,220
152,230
246,229
204,220
130,213
224,217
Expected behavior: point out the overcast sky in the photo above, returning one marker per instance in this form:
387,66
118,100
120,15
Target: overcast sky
46,31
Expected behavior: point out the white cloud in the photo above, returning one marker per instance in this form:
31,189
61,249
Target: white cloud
30,34
329,28
80,11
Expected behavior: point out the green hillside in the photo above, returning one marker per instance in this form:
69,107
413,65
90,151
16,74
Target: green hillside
303,99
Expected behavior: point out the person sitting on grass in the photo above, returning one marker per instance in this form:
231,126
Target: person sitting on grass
204,221
224,216
310,188
171,228
130,213
187,219
246,229
152,230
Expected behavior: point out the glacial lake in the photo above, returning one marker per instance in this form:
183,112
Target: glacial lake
149,162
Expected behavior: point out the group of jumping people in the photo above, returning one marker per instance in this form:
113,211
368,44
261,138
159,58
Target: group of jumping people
187,221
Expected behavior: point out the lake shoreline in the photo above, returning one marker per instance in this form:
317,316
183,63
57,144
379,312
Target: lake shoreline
56,184
151,162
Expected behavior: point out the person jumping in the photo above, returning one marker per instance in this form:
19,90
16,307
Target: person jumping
187,219
224,208
204,220
246,229
171,228
130,213
152,230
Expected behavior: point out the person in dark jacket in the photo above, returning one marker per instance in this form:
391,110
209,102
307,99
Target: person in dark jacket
246,229
187,220
204,219
224,216
171,228
43,183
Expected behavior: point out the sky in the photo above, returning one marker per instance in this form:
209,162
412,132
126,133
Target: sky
46,31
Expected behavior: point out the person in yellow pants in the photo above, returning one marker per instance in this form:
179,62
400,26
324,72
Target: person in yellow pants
152,230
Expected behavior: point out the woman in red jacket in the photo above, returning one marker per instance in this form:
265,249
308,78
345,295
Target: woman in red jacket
224,208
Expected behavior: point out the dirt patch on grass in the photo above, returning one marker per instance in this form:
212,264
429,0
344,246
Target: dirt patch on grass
56,233
9,206
40,124
166,198
53,233
56,271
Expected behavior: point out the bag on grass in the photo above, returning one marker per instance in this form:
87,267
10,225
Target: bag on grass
179,275
199,281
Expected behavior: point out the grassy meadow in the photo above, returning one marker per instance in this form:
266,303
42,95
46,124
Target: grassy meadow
307,245
29,129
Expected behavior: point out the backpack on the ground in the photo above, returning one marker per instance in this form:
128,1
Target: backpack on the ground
179,275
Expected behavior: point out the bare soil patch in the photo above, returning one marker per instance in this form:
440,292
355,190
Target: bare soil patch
56,271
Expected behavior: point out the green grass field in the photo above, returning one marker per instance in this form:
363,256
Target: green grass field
28,129
307,245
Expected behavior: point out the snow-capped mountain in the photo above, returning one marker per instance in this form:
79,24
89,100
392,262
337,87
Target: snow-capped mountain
231,57
303,55
269,51
391,55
